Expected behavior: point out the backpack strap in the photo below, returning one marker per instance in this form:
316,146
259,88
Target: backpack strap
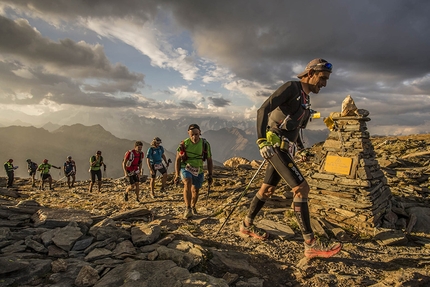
204,149
183,151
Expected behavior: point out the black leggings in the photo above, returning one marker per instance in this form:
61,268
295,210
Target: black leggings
282,166
94,173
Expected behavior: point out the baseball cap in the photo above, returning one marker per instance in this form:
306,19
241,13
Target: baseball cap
157,139
193,126
317,65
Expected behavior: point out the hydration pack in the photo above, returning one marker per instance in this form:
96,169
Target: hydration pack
183,151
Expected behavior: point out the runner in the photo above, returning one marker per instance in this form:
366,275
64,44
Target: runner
70,171
280,120
154,157
10,171
44,169
132,166
191,154
32,168
96,162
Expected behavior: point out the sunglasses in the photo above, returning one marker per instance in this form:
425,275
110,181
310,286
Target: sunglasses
324,66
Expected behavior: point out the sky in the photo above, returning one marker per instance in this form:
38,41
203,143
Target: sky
173,58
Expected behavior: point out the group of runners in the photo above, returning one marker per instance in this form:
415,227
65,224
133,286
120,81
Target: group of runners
280,121
189,167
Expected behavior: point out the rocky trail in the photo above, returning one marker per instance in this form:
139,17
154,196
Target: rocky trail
69,237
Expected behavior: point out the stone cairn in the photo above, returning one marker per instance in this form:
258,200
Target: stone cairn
348,187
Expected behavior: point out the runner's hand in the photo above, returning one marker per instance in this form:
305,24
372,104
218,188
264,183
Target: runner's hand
266,149
210,179
176,180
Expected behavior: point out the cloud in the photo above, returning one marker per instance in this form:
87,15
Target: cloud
38,66
378,49
219,102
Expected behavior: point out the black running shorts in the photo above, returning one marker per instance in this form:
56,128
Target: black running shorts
281,165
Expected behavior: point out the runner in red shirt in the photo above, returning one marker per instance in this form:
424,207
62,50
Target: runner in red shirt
132,166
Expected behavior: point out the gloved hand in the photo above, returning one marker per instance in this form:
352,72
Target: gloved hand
266,148
210,179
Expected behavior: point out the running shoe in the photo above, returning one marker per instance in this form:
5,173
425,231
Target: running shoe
253,231
318,249
194,210
188,213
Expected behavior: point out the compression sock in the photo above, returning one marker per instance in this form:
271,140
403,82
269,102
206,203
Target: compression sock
257,204
301,211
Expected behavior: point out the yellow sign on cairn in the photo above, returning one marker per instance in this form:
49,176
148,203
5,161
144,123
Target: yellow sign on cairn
338,164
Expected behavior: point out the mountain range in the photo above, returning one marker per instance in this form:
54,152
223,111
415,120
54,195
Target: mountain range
81,142
236,137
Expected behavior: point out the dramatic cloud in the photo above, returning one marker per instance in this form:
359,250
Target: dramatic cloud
221,56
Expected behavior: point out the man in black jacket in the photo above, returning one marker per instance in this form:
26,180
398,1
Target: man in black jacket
279,123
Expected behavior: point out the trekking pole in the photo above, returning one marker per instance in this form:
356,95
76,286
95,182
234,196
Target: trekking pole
207,196
240,197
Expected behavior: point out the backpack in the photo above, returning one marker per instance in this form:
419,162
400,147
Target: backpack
33,166
131,157
93,158
183,151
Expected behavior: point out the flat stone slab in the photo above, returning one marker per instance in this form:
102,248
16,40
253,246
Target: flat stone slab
127,215
52,218
387,237
276,229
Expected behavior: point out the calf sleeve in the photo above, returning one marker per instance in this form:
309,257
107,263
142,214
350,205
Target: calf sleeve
257,204
301,211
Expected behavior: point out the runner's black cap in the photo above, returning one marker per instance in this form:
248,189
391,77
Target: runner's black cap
193,126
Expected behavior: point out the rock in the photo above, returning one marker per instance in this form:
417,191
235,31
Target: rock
36,246
98,253
422,215
251,282
88,276
182,259
36,268
130,214
66,237
59,265
16,247
144,234
232,260
56,252
125,247
234,162
108,229
390,237
53,218
10,264
144,273
83,243
276,229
